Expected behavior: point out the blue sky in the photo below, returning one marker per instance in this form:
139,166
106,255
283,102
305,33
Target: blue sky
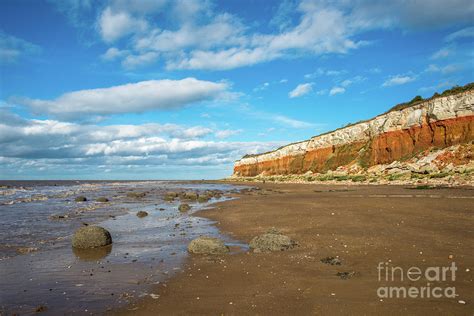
163,89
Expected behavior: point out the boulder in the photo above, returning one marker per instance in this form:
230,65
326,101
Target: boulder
203,199
142,214
184,207
172,194
136,195
193,196
208,246
91,237
80,199
272,240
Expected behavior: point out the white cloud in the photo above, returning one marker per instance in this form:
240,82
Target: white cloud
398,80
227,133
346,83
444,69
261,87
113,53
36,145
227,44
301,90
437,87
336,90
286,121
442,53
325,72
129,98
114,25
132,61
466,32
192,34
13,48
223,59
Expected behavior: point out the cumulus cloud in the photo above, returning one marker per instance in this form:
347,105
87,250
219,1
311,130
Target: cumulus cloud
114,25
301,90
398,80
50,144
306,27
129,98
336,90
13,48
228,44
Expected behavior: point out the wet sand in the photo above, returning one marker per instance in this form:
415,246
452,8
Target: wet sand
40,271
361,225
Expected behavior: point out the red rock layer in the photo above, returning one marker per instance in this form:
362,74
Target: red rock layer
381,149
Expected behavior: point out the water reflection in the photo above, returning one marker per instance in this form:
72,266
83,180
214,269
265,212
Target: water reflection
92,254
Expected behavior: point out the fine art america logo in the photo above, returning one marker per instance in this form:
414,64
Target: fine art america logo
426,282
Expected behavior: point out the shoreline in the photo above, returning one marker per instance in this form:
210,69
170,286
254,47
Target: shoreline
362,225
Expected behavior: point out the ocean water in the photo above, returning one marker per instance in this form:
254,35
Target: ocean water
39,268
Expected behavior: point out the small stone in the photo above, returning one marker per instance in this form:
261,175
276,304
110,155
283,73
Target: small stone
184,207
332,261
80,199
450,256
142,214
462,302
41,309
345,275
102,199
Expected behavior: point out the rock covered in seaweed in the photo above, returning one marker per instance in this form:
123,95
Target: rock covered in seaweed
91,237
207,245
272,240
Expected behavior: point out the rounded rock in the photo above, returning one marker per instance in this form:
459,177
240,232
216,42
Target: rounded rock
208,246
184,207
142,214
80,199
91,237
271,242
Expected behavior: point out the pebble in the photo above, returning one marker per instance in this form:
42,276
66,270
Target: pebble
461,302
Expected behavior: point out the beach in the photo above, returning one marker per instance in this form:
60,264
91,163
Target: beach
364,227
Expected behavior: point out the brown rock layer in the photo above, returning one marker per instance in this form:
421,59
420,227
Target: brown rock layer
380,149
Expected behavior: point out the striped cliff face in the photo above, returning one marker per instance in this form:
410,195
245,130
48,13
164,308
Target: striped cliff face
440,122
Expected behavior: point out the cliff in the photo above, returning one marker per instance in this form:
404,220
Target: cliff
397,135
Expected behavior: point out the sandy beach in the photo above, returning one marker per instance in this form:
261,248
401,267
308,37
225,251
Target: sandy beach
364,227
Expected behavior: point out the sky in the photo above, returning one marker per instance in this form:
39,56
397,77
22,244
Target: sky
161,89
